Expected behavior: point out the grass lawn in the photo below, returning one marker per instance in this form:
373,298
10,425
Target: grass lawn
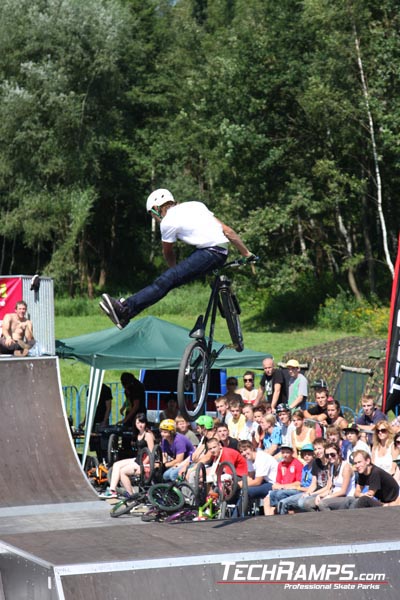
277,344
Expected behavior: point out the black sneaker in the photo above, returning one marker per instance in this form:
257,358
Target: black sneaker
116,310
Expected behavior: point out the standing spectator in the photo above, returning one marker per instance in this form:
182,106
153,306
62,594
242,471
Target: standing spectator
99,443
272,385
17,331
288,477
298,385
135,399
248,392
370,416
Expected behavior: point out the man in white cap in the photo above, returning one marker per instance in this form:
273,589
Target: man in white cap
298,385
195,225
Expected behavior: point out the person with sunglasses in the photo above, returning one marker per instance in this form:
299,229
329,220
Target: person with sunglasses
192,223
383,453
248,392
341,482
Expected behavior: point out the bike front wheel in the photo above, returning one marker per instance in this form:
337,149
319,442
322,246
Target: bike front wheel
166,497
193,380
231,311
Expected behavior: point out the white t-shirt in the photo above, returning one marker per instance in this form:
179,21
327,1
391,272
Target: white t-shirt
194,224
265,466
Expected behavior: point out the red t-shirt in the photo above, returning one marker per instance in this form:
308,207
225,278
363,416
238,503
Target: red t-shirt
289,472
238,461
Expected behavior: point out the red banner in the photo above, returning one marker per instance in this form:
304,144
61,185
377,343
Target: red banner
391,387
10,294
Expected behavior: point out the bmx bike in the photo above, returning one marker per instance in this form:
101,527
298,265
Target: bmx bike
199,356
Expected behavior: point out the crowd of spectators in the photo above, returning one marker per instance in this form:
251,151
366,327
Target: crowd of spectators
293,442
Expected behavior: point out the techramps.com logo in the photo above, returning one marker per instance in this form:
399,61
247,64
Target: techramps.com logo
301,576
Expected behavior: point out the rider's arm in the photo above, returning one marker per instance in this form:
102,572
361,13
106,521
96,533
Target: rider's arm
235,239
169,253
6,328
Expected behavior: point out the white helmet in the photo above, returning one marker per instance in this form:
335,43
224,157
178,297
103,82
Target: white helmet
158,198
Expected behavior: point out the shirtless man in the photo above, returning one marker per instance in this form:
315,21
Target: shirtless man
17,332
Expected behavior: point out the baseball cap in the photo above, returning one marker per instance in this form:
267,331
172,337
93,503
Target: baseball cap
205,421
282,408
286,447
352,427
307,448
293,363
320,383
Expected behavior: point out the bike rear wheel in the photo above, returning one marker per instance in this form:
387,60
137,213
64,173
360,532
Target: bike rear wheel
227,480
231,310
193,380
166,497
112,449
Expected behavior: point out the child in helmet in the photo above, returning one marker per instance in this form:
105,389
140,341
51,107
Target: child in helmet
175,449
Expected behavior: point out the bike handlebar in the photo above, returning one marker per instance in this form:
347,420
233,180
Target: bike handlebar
244,260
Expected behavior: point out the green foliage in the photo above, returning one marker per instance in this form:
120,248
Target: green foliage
345,313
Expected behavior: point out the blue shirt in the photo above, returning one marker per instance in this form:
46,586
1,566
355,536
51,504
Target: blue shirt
272,438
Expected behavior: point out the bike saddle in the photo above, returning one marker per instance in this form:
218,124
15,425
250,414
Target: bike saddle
198,330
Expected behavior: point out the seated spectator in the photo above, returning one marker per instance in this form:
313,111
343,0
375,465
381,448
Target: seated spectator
302,434
334,436
288,478
383,452
269,435
183,427
334,415
318,411
341,482
123,470
259,412
298,386
207,430
396,448
272,387
221,454
231,390
175,449
395,424
250,426
352,434
171,410
370,416
292,495
262,470
248,392
237,425
284,416
222,408
375,487
223,435
17,332
320,482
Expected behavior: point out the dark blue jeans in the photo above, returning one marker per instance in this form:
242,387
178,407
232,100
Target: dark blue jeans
200,262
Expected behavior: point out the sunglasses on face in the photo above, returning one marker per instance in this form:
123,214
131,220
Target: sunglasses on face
248,380
330,454
397,441
381,430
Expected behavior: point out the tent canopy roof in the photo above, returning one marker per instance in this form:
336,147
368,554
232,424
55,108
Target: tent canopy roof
148,343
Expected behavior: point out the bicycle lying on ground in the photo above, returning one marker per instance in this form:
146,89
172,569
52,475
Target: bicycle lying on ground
200,356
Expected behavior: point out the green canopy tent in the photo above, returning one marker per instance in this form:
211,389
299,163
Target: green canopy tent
147,343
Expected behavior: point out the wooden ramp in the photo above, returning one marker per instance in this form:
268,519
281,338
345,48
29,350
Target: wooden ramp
38,460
